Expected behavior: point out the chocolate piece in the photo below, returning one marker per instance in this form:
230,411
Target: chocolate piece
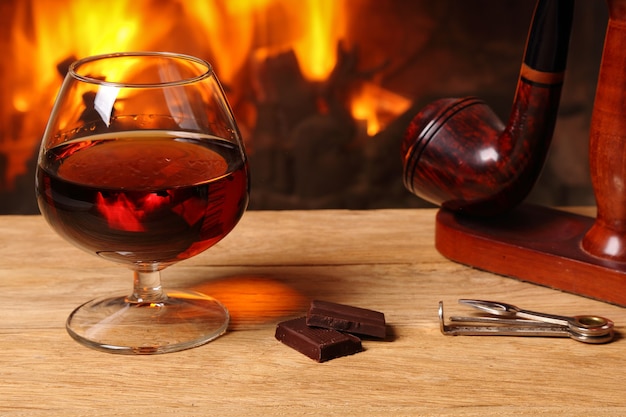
346,318
316,343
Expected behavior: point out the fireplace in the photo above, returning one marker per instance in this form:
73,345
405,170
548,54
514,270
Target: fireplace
322,89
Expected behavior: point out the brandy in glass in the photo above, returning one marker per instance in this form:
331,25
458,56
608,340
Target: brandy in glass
142,164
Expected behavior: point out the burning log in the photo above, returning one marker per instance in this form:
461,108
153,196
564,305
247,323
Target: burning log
64,66
309,151
303,134
279,85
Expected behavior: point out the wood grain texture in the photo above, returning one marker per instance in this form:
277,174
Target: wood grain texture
267,270
607,143
535,244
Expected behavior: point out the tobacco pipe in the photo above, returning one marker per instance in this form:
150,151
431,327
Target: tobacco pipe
607,144
457,153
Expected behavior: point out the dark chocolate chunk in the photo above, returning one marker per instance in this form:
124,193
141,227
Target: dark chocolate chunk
346,318
316,343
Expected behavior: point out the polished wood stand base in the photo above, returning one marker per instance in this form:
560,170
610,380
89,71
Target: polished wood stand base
534,244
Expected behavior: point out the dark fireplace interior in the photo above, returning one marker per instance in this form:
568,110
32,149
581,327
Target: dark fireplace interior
322,89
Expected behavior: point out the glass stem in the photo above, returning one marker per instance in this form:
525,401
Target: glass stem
147,288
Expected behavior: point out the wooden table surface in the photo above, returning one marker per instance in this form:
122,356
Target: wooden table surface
268,269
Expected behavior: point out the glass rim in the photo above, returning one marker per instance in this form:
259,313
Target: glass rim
74,66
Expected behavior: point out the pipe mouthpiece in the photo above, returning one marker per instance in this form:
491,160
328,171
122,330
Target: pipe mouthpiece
548,39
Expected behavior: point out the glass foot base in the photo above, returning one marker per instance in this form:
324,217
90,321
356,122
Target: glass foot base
181,321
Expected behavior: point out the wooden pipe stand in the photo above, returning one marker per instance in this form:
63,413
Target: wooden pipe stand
565,251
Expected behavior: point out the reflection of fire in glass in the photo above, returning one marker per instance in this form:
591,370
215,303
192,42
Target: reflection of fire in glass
120,212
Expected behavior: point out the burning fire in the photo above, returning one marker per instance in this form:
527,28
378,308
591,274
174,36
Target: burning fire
48,35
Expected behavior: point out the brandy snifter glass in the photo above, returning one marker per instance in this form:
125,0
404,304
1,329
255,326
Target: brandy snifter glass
142,163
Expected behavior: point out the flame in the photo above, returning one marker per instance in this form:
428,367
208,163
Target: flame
363,109
376,107
323,28
46,36
122,213
230,30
